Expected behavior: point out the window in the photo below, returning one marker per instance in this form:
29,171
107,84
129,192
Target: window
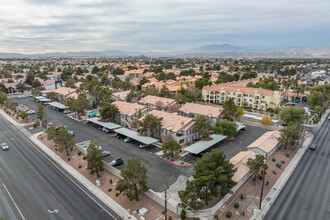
245,100
234,93
181,141
250,95
188,132
228,93
188,139
263,97
195,137
250,100
245,95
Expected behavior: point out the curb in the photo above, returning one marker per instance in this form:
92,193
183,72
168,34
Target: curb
119,210
178,165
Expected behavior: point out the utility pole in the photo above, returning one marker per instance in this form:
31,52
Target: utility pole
263,181
165,205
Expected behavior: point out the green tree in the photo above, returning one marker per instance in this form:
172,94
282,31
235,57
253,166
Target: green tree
229,109
200,83
3,98
150,125
151,90
36,84
315,99
105,94
134,179
277,111
245,104
109,112
143,81
20,87
51,133
293,114
51,95
23,115
171,147
70,83
41,113
79,105
118,71
164,92
202,126
36,92
289,135
255,164
225,127
3,88
64,141
213,176
94,158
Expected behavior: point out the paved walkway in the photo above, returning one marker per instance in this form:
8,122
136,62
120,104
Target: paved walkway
90,186
271,196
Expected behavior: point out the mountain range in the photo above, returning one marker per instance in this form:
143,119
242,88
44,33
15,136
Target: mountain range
221,51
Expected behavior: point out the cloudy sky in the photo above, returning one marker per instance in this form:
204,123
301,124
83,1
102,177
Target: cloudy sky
37,26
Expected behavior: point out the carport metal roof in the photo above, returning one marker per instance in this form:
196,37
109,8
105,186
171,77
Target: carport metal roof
108,125
58,105
136,136
42,98
203,145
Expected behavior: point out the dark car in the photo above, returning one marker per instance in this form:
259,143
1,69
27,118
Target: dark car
313,147
116,162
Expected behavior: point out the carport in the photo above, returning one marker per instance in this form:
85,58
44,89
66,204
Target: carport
200,146
107,125
42,99
58,105
136,136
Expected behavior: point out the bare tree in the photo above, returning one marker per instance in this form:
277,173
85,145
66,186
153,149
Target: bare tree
159,105
174,108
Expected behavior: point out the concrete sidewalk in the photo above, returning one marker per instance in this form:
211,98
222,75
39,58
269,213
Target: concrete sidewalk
85,182
271,196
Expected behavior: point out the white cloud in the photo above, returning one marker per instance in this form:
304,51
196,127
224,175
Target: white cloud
40,25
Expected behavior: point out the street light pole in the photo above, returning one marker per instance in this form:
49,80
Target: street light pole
263,181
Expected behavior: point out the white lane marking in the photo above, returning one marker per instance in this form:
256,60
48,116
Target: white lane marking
44,154
19,211
54,211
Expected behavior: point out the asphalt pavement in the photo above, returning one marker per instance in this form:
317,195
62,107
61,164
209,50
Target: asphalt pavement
161,173
306,195
33,187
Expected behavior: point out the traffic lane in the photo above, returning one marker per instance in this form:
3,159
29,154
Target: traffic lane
158,169
307,191
72,199
7,206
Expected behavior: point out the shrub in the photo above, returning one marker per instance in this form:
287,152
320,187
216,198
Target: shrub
283,161
266,120
69,159
79,153
236,205
287,155
84,158
271,114
117,193
243,196
267,183
216,217
228,214
35,125
274,172
79,166
273,159
182,163
183,214
42,138
110,181
109,190
260,176
278,165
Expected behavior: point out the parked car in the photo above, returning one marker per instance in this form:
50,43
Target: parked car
296,101
328,117
106,130
313,147
4,146
116,162
71,133
126,140
59,128
31,112
66,112
143,146
289,104
105,153
119,136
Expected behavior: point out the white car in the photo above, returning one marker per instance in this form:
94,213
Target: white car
126,140
4,146
31,112
106,130
143,146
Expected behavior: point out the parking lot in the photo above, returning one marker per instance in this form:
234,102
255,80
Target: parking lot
231,148
160,172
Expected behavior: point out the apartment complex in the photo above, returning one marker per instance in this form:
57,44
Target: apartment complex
256,98
192,110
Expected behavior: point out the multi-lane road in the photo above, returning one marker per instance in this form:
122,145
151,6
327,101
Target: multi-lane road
306,195
32,186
